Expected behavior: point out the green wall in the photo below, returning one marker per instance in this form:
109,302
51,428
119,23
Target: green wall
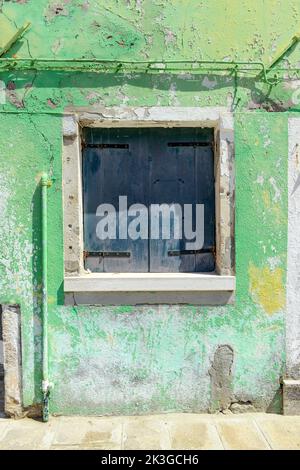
141,359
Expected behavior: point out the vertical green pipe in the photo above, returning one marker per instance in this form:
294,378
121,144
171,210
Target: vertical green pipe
45,371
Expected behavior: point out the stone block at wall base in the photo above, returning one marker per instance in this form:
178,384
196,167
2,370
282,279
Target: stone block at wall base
291,397
11,328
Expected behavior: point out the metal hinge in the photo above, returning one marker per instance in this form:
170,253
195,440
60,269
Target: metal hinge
105,146
190,252
189,144
107,254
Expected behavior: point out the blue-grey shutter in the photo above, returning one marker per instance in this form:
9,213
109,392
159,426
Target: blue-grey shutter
114,165
149,166
182,171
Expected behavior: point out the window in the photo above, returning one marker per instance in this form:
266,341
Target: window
120,166
151,179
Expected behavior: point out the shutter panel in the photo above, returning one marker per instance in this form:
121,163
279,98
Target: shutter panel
149,166
205,184
114,165
182,172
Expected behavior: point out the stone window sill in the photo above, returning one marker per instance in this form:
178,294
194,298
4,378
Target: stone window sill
149,282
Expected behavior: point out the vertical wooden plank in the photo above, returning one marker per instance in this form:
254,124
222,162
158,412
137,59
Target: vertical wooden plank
205,184
164,186
182,173
110,173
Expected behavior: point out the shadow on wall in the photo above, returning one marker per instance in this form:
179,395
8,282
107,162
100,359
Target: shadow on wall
101,84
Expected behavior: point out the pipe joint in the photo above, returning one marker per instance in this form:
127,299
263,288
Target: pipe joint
46,386
45,181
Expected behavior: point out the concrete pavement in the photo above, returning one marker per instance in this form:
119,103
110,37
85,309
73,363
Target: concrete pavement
156,432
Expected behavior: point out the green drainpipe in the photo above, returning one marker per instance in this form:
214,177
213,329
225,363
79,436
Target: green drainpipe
45,183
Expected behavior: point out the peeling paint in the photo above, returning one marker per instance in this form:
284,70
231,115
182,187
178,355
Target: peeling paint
210,84
147,358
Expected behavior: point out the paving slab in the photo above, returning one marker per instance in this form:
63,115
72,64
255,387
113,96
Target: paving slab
103,433
27,434
69,431
193,432
158,432
3,425
146,433
89,432
241,434
282,432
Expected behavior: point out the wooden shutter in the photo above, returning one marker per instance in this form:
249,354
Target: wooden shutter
114,164
182,171
149,166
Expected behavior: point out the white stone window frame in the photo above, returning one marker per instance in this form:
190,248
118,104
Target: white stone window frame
291,381
79,282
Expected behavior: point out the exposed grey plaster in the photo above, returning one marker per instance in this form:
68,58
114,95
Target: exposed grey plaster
11,324
221,378
291,397
242,407
97,116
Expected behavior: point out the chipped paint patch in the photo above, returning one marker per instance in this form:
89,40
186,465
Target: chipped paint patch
274,262
260,180
277,194
140,359
209,84
54,10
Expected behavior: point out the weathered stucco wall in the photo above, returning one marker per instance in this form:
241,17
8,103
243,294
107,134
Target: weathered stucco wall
136,359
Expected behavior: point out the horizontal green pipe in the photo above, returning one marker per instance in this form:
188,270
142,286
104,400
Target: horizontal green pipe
143,66
147,66
101,65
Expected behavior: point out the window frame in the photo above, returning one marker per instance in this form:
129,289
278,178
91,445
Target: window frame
151,155
76,278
